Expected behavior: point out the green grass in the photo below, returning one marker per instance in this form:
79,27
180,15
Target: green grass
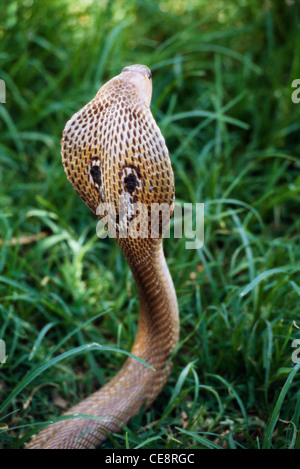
222,74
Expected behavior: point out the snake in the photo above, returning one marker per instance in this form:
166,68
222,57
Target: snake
114,155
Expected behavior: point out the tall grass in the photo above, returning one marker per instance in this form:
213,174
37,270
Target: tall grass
222,74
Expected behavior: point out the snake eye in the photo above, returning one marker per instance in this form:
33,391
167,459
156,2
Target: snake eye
95,172
131,178
149,75
130,183
96,175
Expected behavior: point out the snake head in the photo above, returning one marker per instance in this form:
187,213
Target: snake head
141,77
112,149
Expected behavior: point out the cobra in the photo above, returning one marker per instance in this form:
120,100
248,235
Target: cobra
113,150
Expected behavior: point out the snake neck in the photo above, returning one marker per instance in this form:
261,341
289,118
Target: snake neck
159,324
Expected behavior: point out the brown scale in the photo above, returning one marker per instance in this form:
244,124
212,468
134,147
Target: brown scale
113,150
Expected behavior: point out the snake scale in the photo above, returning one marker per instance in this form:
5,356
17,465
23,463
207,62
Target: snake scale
113,150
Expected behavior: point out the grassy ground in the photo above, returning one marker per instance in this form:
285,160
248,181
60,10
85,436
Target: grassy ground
222,74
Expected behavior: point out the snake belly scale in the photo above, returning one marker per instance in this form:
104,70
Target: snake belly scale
113,151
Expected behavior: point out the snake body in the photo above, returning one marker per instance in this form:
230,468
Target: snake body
113,151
